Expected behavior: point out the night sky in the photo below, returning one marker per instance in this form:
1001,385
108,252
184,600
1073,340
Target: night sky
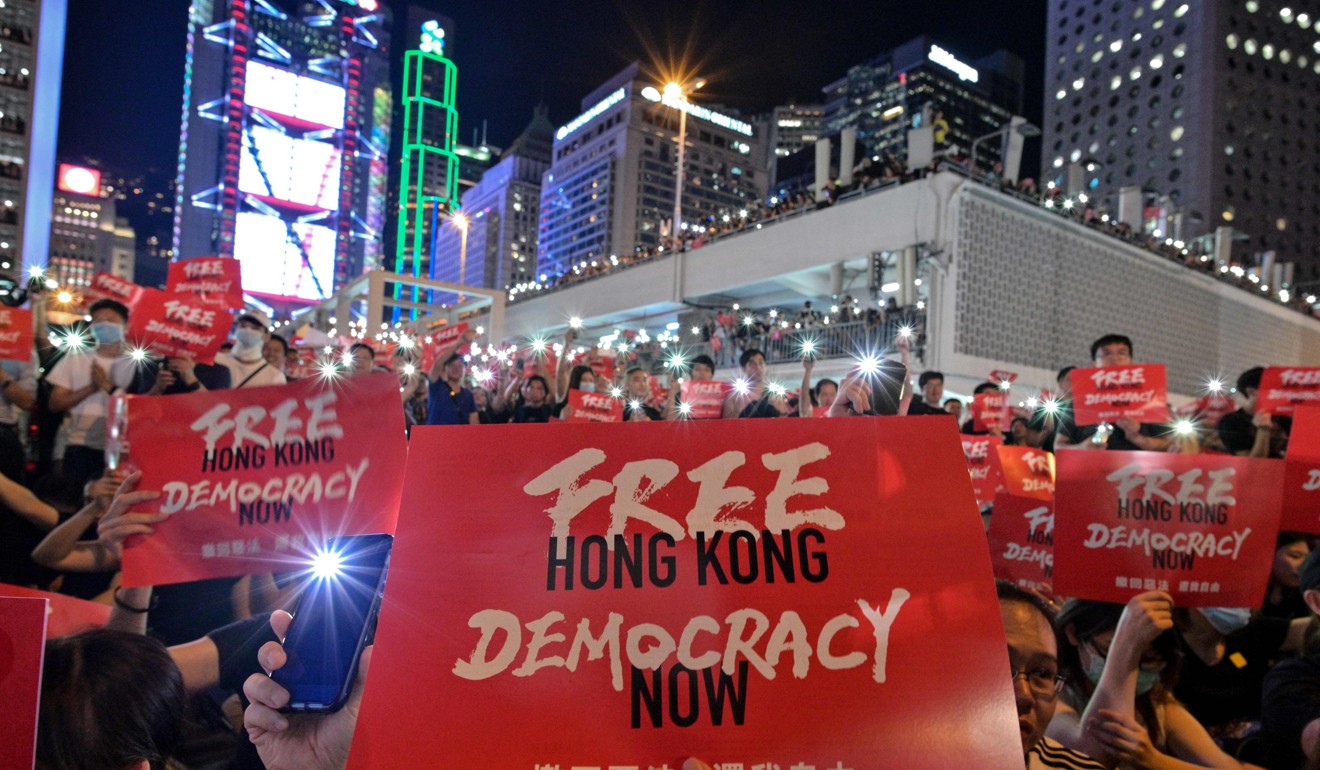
123,72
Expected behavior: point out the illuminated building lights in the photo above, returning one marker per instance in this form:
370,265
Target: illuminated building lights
951,63
591,114
724,121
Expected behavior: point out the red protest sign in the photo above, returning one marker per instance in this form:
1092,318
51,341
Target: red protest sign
983,465
990,410
1028,472
177,325
1284,388
15,333
1301,477
214,281
1001,375
603,366
593,407
1208,410
437,341
687,594
705,398
22,652
107,286
1201,527
1110,393
258,478
1022,542
65,615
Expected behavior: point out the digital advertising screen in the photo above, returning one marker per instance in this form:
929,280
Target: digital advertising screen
300,171
284,93
273,265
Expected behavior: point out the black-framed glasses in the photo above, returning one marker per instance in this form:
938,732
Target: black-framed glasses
1042,681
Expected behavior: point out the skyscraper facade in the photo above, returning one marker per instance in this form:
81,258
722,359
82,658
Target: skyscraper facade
794,127
282,152
610,187
904,88
1210,107
86,237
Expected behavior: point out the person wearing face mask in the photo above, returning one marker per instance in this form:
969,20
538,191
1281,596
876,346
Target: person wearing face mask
81,385
579,378
248,367
1122,664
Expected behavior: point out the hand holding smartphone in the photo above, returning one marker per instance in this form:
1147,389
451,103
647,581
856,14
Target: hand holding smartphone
334,621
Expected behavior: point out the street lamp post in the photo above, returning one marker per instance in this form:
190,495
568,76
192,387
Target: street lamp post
678,92
1027,130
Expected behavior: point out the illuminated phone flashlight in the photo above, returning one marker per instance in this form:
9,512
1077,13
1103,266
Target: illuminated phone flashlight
684,408
747,320
138,354
406,343
1215,385
634,405
808,347
1005,385
327,564
741,386
869,364
1032,403
409,369
538,345
676,361
347,358
575,323
328,370
484,375
1051,406
777,389
616,392
905,332
1184,427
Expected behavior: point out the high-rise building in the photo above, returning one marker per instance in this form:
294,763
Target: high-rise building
794,127
903,89
610,187
502,212
86,236
283,152
31,67
1210,105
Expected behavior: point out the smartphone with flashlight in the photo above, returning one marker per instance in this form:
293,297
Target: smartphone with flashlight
887,386
334,622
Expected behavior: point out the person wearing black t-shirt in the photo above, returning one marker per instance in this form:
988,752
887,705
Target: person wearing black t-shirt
637,384
931,385
1290,700
1248,433
1127,434
534,407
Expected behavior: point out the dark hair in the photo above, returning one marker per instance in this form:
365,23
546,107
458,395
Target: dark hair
1250,379
575,377
632,369
1009,592
283,342
109,304
747,356
985,387
1089,619
1111,339
356,346
928,376
538,378
1064,372
704,360
957,401
815,391
108,699
1017,420
59,490
1287,538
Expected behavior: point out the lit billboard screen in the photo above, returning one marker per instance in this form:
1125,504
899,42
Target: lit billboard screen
281,92
274,267
300,171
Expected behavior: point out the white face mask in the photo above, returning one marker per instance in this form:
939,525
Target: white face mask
587,387
247,338
1226,620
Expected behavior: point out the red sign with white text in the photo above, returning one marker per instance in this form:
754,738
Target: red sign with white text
66,615
214,281
1284,388
705,398
107,286
1022,542
258,478
440,339
22,652
1207,410
177,325
15,334
593,407
1301,477
1110,393
990,410
687,587
983,465
1002,375
1200,527
1028,472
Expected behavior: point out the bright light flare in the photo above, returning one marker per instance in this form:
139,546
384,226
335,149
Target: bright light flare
328,370
64,297
406,343
1005,385
347,358
36,272
634,405
539,346
1184,427
777,389
741,386
905,332
327,564
1051,406
616,392
1214,386
676,361
575,323
76,341
409,369
483,375
869,364
138,355
808,347
684,408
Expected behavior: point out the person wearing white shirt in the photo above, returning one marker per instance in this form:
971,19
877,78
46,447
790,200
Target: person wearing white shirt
248,368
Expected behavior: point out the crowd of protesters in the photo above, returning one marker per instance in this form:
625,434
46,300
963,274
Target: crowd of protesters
178,676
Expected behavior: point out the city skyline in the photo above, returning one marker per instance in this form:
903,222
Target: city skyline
136,104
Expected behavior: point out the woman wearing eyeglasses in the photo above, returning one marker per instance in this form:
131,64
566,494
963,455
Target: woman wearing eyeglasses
1121,664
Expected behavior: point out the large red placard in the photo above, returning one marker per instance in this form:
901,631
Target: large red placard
1201,527
15,334
1284,388
437,341
1028,472
1022,542
22,652
66,615
258,478
594,407
213,281
983,464
705,398
1110,393
177,325
990,410
107,286
1301,478
720,571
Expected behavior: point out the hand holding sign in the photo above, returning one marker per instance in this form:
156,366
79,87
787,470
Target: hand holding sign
120,522
1146,616
302,742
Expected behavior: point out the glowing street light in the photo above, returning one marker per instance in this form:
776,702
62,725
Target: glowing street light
677,93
